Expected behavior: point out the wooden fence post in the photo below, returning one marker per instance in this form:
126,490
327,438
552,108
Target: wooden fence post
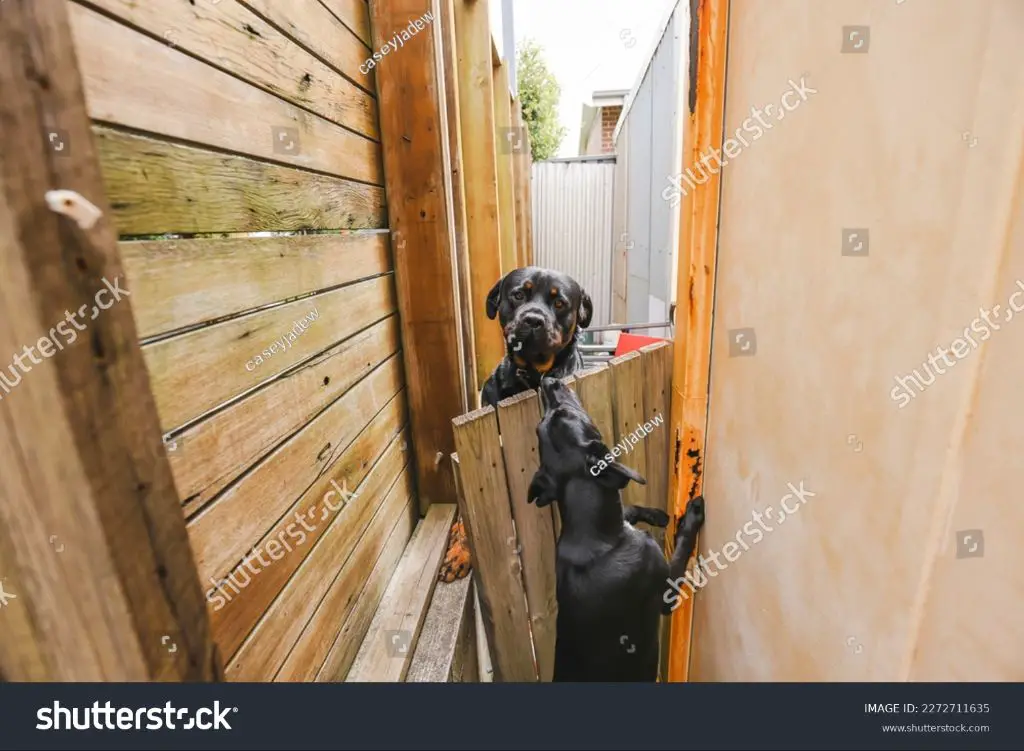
412,108
506,141
467,304
480,173
97,574
698,250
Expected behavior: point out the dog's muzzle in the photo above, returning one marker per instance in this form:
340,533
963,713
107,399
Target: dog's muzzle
532,334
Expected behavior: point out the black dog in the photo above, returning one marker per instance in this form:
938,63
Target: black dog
541,312
612,578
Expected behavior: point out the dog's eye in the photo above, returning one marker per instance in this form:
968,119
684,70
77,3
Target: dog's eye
518,295
559,304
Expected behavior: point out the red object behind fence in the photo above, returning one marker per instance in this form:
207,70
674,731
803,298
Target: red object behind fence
632,342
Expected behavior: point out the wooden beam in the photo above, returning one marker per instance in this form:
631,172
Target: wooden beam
449,60
507,142
412,108
705,102
387,651
92,540
480,173
528,158
447,637
521,168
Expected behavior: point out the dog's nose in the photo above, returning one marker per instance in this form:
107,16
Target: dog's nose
533,320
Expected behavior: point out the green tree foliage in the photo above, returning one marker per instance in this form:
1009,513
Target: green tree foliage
539,93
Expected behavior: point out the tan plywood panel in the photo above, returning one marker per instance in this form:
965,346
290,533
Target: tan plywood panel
859,232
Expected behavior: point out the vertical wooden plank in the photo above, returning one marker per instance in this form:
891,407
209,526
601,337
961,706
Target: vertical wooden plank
657,367
521,182
411,110
657,391
478,654
450,79
93,544
506,142
480,173
527,157
487,514
518,417
698,251
628,409
594,387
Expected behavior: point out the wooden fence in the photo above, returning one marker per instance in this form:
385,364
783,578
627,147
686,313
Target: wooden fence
274,361
287,333
512,541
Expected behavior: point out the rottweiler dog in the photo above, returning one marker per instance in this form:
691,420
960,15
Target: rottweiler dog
541,313
612,579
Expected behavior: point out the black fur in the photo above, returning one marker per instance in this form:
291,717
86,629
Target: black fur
612,578
541,313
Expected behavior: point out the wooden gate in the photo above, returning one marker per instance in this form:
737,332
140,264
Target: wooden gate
513,542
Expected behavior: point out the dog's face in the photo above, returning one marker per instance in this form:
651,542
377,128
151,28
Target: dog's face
571,446
539,311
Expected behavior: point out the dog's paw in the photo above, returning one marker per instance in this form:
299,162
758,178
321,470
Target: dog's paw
693,517
456,563
657,518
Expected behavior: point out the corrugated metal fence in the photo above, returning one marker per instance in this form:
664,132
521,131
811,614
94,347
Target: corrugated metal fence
572,223
649,148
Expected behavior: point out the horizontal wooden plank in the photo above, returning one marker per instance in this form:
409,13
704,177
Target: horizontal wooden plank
315,28
351,635
135,81
446,629
212,453
360,531
178,283
234,38
223,532
157,187
234,620
354,14
387,650
318,636
202,369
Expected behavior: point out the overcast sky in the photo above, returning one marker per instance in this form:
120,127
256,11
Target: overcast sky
590,45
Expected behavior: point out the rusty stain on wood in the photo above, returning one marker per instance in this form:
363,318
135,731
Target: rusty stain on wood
696,274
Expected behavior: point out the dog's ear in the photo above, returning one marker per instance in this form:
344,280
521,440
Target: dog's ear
494,299
618,476
586,311
543,489
603,465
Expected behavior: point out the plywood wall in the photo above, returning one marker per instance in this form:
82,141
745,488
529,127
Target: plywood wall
274,359
861,232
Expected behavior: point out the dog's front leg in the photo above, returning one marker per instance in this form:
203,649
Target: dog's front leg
686,540
653,516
